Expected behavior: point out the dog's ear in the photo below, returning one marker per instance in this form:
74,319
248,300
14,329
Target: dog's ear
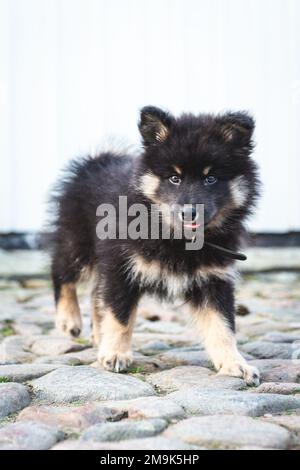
154,125
237,128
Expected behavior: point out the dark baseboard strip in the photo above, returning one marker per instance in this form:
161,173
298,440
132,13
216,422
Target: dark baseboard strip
278,270
273,240
22,278
22,241
36,241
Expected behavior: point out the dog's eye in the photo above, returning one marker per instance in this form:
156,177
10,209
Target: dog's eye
175,179
210,180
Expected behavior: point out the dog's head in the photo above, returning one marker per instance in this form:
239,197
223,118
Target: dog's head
201,159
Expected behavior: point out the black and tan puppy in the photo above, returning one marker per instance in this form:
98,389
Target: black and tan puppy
188,160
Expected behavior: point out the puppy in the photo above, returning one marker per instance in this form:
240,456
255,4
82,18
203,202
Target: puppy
186,162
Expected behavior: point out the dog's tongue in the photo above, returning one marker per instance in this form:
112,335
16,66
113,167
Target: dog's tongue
192,225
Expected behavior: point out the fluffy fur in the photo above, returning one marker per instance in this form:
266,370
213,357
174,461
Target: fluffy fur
192,148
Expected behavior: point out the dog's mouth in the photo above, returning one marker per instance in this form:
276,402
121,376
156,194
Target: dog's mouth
189,217
192,226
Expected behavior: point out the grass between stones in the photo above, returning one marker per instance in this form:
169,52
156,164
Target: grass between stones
135,370
7,328
7,331
4,380
83,341
70,434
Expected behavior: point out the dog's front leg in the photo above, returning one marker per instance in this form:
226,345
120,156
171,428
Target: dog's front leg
117,313
115,345
214,315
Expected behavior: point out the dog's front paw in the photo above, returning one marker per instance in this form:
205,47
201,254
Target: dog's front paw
249,373
116,361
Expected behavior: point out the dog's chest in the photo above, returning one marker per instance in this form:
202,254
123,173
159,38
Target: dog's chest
156,277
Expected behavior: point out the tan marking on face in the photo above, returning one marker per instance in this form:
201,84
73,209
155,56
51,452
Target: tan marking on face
162,133
115,340
207,170
149,185
68,316
239,191
168,217
177,169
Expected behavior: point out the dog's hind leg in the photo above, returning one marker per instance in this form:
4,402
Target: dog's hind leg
68,317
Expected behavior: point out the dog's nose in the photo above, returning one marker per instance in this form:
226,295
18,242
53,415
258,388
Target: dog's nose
189,214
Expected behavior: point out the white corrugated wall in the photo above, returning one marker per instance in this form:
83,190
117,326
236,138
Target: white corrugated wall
73,74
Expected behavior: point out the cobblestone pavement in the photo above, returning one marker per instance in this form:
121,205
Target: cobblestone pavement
54,396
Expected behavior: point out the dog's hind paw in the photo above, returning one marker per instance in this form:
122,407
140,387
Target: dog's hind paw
116,362
249,373
70,326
